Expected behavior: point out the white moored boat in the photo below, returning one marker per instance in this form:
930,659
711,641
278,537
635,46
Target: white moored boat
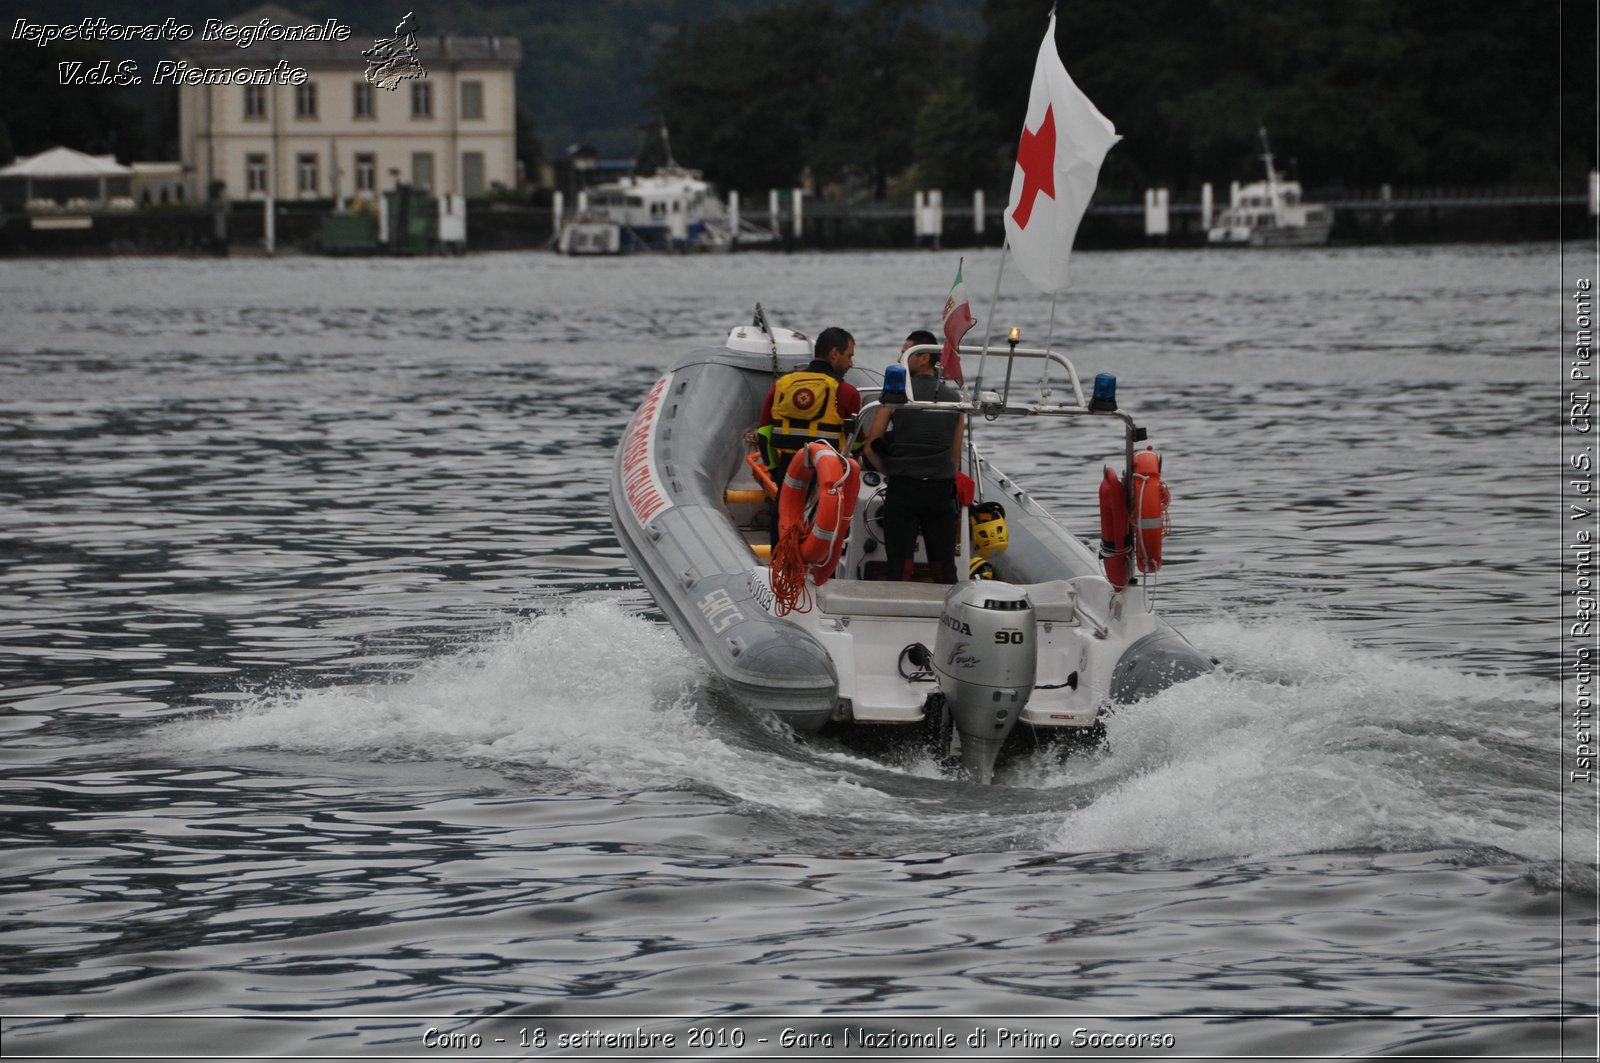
670,210
1271,213
1039,653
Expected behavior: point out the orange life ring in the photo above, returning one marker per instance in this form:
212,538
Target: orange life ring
838,483
1114,541
1150,501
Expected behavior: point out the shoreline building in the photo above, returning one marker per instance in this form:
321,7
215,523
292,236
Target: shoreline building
338,136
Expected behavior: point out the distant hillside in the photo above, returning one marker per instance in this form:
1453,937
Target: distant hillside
584,65
877,96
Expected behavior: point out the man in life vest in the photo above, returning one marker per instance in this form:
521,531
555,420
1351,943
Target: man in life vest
919,451
807,404
810,403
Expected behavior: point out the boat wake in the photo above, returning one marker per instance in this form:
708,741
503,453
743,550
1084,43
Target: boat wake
1303,743
607,699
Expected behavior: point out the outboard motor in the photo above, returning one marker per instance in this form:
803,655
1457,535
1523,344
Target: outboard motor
985,657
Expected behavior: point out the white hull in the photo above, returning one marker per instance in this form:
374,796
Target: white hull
1314,235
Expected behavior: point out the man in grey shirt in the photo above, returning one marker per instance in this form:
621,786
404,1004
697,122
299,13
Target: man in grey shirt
919,456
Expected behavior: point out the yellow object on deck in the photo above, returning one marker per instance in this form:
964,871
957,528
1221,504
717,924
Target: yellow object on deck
752,497
762,550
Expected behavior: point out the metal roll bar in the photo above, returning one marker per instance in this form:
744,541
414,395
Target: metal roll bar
993,405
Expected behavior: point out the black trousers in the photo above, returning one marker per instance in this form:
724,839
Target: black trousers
910,504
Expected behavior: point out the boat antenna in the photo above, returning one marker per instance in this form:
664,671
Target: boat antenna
666,142
1272,171
760,322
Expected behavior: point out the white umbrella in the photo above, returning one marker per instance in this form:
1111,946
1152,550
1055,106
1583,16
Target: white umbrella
60,162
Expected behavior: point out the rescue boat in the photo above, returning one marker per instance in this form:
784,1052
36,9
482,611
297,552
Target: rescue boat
1038,653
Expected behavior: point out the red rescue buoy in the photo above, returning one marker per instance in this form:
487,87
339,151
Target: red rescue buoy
1114,540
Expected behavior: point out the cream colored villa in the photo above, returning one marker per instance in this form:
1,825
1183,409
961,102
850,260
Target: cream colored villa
334,134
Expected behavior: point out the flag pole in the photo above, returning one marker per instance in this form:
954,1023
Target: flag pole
988,325
1044,372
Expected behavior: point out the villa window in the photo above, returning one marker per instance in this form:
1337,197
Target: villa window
472,99
472,173
422,169
366,172
255,174
306,167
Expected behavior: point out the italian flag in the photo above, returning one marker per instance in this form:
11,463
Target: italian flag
957,321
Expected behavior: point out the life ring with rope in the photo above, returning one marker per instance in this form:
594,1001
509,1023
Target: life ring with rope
812,546
1151,501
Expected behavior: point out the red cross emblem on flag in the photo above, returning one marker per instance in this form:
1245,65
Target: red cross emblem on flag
1036,158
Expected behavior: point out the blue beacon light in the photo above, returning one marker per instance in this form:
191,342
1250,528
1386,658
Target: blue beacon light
1105,393
894,384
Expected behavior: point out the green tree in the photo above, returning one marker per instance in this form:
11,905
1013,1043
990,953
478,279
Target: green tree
746,99
1487,78
655,148
954,147
1327,80
756,101
1353,91
1358,91
530,149
886,65
42,113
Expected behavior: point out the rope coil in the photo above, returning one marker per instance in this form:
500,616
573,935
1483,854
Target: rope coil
788,574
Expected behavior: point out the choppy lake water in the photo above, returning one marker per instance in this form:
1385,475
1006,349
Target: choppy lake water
333,712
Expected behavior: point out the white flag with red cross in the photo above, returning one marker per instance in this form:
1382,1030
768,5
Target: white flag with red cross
1064,141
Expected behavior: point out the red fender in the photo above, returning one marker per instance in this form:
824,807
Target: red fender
838,483
1114,540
